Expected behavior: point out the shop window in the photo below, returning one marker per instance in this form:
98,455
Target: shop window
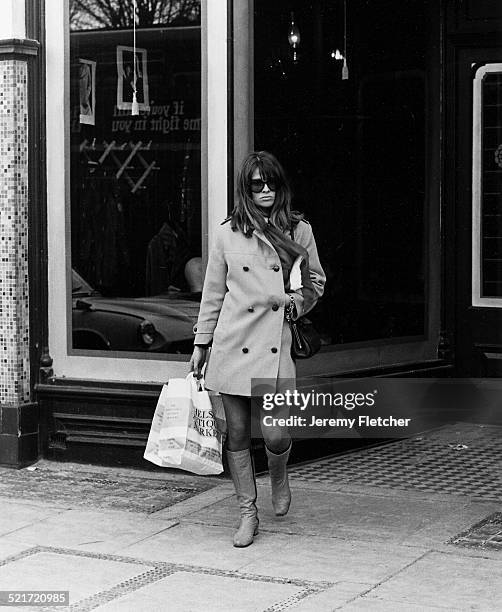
135,174
341,97
487,186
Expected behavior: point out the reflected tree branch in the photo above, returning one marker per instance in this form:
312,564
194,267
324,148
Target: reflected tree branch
118,14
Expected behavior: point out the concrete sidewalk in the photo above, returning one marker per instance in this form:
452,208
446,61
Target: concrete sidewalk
347,543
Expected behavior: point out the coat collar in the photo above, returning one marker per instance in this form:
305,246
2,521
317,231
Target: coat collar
259,234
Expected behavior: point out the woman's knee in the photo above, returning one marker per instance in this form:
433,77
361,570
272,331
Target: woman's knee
276,439
237,412
238,436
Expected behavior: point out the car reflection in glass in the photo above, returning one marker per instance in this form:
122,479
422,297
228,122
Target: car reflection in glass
156,324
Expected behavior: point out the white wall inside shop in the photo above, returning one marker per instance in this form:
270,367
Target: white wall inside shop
12,19
118,367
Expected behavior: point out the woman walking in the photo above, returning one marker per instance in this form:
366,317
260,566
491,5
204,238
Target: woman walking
263,269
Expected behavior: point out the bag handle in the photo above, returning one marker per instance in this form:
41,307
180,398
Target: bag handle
200,383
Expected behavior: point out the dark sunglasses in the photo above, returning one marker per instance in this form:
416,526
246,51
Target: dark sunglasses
257,185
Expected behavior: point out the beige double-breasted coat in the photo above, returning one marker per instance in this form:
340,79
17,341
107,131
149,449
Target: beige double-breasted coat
242,309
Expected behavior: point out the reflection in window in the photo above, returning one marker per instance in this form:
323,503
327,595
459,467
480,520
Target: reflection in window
354,148
135,178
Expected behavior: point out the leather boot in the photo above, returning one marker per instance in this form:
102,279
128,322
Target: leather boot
241,470
281,494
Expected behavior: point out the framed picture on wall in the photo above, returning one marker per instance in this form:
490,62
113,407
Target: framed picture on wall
87,91
131,69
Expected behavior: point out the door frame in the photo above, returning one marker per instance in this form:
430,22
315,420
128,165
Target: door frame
477,327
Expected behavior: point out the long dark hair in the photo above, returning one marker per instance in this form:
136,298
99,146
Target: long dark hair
245,216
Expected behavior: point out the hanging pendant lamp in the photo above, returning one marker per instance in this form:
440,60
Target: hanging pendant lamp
294,37
345,68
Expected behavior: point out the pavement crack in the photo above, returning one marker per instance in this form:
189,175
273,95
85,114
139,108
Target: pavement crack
37,522
390,577
152,535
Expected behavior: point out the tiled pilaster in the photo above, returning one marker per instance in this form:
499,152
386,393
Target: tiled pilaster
18,417
14,307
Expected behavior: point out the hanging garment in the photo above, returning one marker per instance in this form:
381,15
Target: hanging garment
102,253
166,257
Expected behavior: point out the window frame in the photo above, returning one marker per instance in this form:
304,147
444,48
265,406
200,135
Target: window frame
477,191
387,352
113,365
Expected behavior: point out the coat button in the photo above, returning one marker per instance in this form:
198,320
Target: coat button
245,350
245,268
276,268
275,307
274,349
250,309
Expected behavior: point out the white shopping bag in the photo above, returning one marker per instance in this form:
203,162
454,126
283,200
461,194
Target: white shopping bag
184,434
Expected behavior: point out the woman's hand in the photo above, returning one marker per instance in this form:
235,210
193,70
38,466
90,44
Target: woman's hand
197,361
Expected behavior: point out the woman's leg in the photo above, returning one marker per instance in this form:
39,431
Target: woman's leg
276,437
238,416
277,448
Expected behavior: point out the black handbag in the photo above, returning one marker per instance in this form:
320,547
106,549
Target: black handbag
306,340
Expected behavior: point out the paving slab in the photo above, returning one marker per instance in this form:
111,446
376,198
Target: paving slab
189,592
370,604
204,545
333,560
10,548
336,514
445,580
15,515
103,531
82,576
193,504
451,524
34,503
330,599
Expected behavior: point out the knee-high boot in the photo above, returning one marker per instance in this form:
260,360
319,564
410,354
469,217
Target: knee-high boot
277,467
241,470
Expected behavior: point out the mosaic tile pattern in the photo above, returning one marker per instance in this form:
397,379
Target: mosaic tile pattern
462,460
14,313
157,570
94,490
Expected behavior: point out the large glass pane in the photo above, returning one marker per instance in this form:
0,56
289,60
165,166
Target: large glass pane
354,143
135,95
491,185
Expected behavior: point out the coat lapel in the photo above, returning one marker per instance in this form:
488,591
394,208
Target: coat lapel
261,236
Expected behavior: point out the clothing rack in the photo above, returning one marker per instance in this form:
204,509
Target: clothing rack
133,161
